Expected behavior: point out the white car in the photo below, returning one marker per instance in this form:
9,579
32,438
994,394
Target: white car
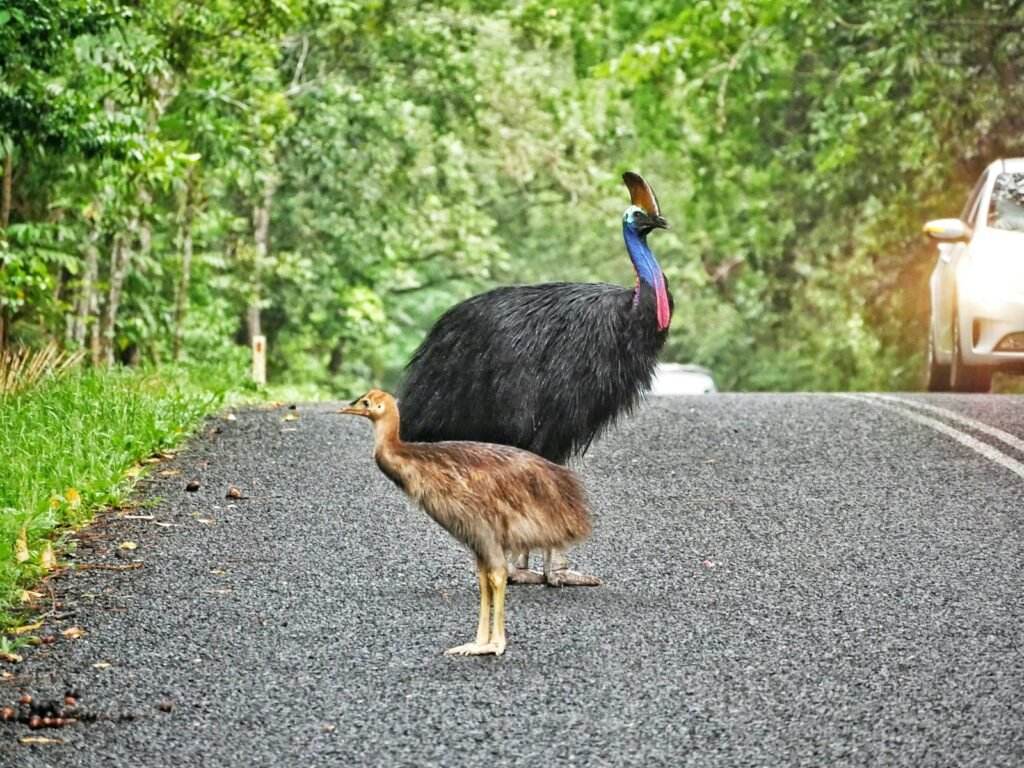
977,286
678,379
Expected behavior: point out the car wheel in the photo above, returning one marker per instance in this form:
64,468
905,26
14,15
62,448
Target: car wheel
967,378
938,373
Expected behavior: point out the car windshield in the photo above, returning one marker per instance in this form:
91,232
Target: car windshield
1006,211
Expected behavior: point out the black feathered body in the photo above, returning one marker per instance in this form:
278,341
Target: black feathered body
545,368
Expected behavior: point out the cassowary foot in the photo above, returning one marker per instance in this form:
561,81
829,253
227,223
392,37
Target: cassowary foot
569,578
558,574
525,576
519,570
477,649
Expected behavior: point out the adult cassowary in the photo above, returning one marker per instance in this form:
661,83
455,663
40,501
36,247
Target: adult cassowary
546,368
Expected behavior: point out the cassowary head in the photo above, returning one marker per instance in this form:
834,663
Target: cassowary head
639,219
644,214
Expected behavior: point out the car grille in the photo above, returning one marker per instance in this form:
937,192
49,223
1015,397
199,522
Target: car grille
1012,343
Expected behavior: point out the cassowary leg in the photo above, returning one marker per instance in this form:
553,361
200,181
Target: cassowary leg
498,580
482,644
558,574
519,570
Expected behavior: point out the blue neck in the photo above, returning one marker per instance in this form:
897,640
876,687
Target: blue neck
647,268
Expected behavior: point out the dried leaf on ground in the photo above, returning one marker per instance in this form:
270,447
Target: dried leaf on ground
291,417
27,628
233,493
27,595
47,559
73,633
39,740
169,472
21,546
7,656
101,665
193,486
219,572
128,545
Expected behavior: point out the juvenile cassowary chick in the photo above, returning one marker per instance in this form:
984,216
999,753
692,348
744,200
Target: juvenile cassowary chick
495,499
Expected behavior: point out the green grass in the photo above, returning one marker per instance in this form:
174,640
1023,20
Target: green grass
85,432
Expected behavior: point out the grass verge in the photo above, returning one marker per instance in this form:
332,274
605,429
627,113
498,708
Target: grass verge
70,446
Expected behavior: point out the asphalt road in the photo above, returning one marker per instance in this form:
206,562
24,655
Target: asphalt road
789,580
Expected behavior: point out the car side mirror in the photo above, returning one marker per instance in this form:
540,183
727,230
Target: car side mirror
948,230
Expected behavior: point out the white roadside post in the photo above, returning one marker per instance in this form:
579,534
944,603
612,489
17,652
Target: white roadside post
259,359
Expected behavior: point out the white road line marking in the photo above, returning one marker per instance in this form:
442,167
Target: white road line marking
1011,440
986,450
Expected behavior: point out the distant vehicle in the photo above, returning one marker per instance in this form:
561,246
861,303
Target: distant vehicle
678,379
977,286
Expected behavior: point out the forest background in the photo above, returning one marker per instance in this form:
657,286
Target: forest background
178,176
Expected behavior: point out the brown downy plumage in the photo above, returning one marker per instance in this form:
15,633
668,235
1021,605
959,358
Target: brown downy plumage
493,498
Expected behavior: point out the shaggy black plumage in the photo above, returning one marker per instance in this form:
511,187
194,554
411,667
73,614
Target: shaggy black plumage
545,367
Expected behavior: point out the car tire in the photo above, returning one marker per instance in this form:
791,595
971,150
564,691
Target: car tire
967,378
938,373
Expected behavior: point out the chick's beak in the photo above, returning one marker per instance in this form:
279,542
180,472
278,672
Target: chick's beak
353,409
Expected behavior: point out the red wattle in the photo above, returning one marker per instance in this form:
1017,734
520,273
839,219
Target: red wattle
664,314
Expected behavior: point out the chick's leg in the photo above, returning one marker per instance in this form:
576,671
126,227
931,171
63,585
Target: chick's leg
558,574
481,644
498,581
519,570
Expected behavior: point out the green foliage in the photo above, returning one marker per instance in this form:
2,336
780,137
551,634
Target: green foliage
409,155
85,432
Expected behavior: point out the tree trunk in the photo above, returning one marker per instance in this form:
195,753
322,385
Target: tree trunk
119,257
5,220
181,301
87,306
337,358
261,236
145,245
5,196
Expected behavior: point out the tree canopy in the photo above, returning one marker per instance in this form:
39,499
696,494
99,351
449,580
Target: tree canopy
180,175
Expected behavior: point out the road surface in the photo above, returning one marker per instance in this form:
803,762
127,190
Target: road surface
789,580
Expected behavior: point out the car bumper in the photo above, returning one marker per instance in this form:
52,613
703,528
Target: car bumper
996,333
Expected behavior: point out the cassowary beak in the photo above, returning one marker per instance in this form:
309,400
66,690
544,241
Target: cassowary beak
650,222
